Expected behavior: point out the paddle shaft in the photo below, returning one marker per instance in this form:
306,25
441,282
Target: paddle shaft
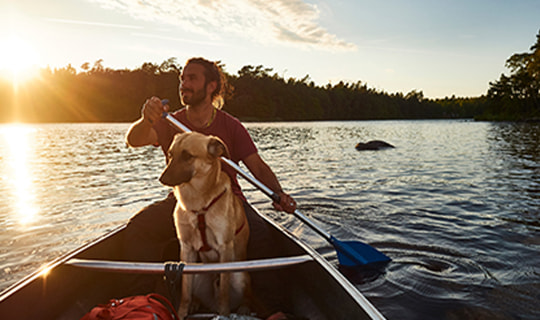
350,253
256,183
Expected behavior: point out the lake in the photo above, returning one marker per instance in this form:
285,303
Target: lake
456,204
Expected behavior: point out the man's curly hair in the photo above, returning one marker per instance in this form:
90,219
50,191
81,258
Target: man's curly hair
213,72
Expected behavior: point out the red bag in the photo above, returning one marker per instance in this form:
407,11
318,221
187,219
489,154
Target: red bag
151,307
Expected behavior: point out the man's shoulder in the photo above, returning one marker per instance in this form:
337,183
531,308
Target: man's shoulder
226,114
228,117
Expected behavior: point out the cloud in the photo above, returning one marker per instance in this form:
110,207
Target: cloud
92,23
282,22
157,36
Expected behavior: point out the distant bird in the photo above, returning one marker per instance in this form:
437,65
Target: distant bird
373,145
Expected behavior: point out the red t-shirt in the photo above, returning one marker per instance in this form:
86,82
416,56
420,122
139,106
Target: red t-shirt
226,127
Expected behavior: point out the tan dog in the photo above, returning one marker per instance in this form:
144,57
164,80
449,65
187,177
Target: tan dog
210,220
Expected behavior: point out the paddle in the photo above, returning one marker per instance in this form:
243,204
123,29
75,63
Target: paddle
350,253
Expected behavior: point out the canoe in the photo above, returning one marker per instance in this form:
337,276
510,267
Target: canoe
74,283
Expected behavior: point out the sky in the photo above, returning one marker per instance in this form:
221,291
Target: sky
440,47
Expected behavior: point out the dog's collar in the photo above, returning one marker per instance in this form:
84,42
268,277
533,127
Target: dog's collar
205,209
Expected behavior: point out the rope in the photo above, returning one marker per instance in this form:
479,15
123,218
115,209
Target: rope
173,278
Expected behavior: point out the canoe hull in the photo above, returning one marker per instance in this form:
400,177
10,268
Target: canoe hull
314,289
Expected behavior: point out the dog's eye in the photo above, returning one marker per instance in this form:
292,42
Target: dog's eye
186,156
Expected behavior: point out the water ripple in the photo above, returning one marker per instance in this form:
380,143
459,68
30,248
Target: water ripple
455,204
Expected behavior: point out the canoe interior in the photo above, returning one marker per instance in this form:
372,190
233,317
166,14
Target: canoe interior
68,292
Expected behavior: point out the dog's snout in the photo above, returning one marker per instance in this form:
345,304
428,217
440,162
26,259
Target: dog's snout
164,179
175,175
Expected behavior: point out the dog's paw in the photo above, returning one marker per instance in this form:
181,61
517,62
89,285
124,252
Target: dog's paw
284,316
224,310
182,312
243,310
194,306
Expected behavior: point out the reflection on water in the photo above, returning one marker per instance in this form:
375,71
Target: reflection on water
17,171
516,150
64,184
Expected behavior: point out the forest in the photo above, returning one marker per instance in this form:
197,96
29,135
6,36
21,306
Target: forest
257,93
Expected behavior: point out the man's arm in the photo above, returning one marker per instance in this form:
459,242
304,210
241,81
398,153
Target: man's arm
141,133
262,172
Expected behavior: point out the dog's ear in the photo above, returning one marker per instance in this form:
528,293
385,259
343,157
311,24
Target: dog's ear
216,148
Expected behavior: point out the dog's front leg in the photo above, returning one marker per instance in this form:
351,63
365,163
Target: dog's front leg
187,254
226,255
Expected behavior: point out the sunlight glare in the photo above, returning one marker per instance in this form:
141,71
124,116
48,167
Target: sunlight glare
18,59
45,270
18,175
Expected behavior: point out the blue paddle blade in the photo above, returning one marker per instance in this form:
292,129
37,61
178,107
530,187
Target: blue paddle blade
355,253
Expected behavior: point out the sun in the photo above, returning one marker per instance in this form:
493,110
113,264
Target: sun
18,59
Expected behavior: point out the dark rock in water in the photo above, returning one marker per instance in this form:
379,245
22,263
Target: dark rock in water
373,145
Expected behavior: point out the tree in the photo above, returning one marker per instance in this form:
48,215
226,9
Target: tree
98,66
170,65
518,95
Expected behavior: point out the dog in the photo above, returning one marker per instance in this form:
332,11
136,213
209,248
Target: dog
210,221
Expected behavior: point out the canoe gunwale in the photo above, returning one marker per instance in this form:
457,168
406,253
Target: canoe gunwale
331,270
190,268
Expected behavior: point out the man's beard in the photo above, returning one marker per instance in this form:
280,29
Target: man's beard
197,97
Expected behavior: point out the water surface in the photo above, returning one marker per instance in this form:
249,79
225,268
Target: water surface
455,204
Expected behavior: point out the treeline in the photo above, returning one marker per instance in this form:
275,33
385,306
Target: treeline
263,95
99,94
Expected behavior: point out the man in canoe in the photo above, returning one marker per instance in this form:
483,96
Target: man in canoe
202,84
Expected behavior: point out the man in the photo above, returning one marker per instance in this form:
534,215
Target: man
201,88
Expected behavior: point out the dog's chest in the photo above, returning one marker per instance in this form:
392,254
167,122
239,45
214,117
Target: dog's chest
200,230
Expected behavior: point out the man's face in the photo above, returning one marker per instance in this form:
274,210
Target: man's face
192,85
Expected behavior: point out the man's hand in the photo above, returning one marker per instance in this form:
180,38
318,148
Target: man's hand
153,109
141,132
286,203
